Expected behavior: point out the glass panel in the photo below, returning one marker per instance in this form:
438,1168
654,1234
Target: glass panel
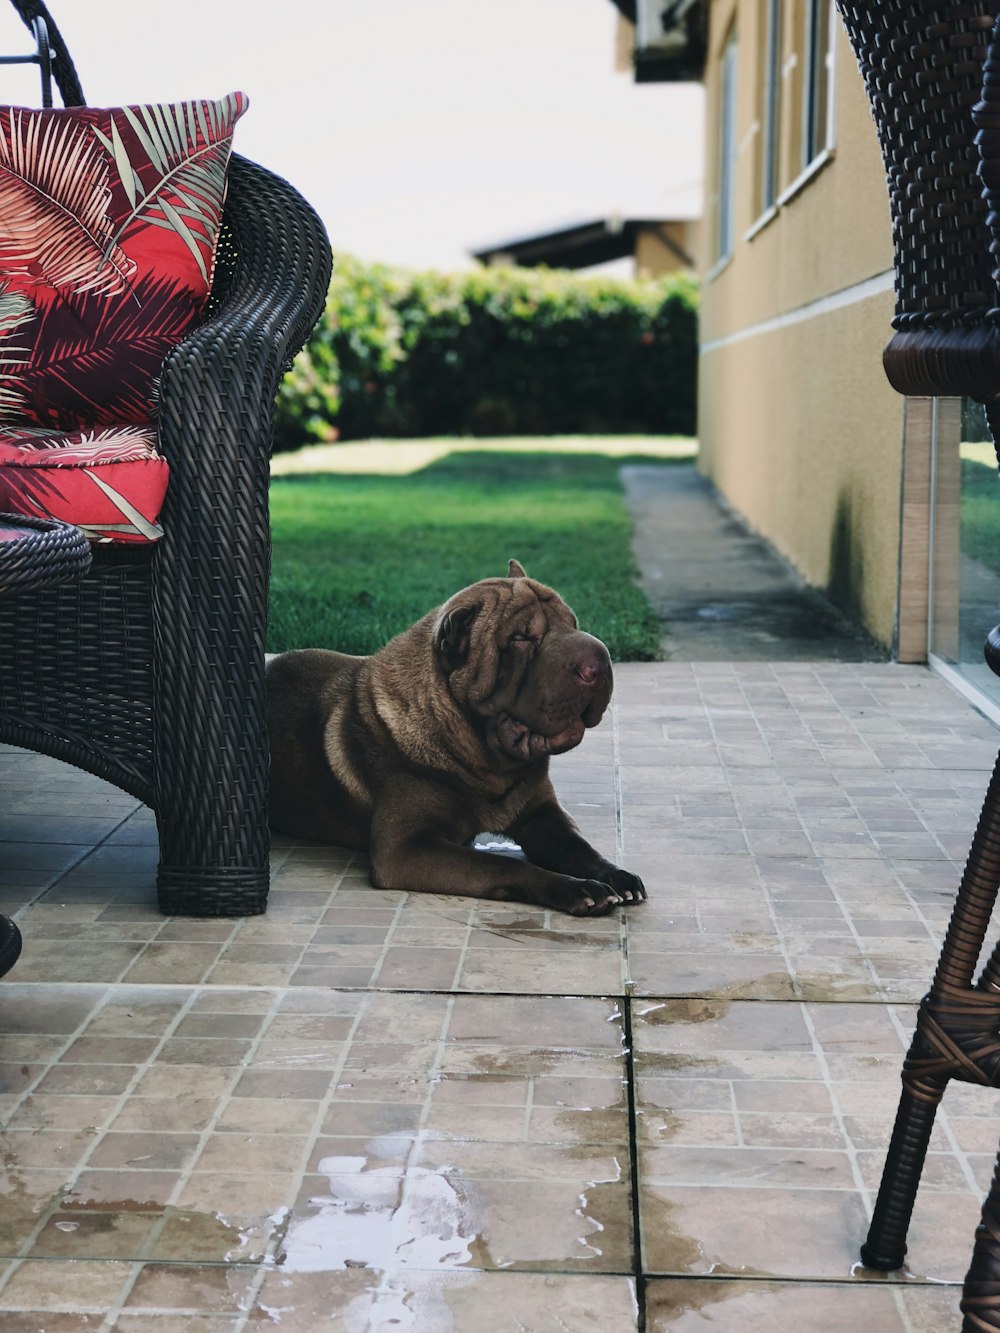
817,82
769,76
965,603
727,150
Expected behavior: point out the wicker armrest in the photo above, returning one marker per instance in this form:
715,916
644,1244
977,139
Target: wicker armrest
272,277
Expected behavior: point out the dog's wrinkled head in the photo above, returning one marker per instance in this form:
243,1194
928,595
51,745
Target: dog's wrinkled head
514,658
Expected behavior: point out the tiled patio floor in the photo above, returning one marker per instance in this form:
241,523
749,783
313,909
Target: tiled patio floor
372,1111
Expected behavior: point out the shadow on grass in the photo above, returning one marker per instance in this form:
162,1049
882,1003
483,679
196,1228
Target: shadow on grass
359,557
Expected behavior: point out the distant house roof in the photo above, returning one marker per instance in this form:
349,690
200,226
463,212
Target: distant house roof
579,246
670,38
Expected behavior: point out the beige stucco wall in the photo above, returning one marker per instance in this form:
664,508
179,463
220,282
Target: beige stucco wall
798,426
801,437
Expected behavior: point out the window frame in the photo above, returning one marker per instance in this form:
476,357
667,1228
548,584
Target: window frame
725,221
819,45
769,143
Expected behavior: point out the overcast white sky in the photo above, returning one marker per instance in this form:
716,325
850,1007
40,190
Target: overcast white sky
418,128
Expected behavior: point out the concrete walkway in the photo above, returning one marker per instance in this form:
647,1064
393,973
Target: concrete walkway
723,593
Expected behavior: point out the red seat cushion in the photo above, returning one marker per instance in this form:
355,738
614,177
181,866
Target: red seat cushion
107,250
109,482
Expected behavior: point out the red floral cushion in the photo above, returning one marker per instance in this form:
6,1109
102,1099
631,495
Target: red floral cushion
110,220
109,482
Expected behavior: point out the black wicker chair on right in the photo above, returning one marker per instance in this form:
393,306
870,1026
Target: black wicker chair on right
932,73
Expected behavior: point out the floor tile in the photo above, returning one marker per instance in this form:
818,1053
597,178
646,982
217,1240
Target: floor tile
372,1107
761,1307
726,1089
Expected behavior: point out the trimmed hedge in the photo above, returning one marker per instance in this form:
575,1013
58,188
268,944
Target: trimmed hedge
493,351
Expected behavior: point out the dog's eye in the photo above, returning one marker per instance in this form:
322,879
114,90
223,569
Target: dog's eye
526,637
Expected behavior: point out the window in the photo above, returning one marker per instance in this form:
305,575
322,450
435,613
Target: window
816,83
769,77
727,150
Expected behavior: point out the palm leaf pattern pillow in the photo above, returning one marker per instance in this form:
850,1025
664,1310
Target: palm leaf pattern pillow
109,221
108,216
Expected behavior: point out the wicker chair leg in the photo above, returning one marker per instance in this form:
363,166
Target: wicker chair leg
977,893
10,944
211,763
953,1026
981,1295
213,828
211,892
885,1247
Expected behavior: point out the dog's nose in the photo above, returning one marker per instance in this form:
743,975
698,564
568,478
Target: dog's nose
588,672
592,667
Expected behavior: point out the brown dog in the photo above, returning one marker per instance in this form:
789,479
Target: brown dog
444,734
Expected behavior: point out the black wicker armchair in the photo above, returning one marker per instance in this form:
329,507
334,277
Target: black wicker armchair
148,670
932,72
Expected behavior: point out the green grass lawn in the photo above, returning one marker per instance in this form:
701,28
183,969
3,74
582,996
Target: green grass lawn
361,552
981,505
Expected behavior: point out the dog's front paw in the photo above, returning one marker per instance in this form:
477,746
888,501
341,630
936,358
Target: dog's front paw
629,887
589,897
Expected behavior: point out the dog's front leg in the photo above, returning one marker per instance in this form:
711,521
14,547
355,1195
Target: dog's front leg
550,839
430,863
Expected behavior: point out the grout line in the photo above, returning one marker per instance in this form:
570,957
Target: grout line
386,944
529,1108
26,1095
222,945
761,884
73,1176
836,895
268,1262
886,857
898,1285
735,1109
61,874
631,1093
850,1147
616,777
625,963
785,1280
901,1310
77,1032
652,997
384,1286
338,877
463,952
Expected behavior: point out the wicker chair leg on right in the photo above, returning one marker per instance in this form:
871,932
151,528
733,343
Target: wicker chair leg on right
956,1037
932,74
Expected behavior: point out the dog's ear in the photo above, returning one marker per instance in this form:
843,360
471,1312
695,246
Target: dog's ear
453,632
515,570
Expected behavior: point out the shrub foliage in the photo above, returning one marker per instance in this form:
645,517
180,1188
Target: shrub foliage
493,351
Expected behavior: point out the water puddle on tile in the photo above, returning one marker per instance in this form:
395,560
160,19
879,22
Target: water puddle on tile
129,1230
759,1304
530,928
440,1218
820,987
669,1300
378,1219
661,1063
672,1013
